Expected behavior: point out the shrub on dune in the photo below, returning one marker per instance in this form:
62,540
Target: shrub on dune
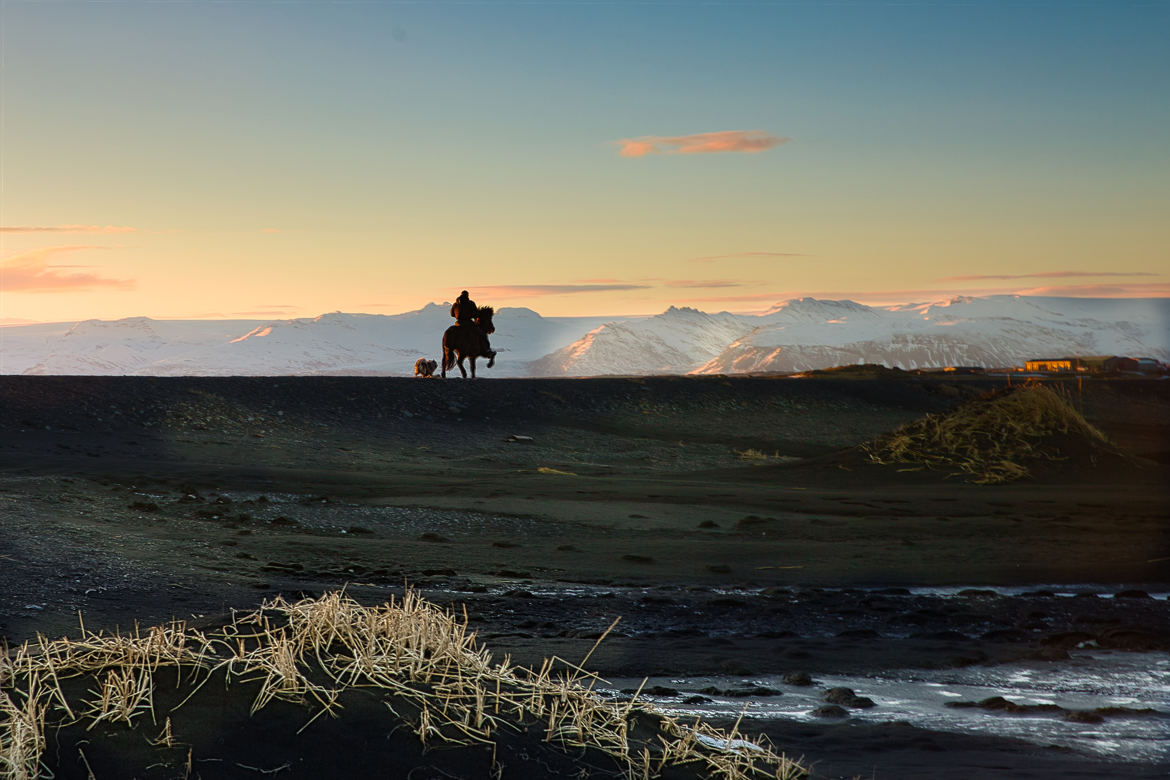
991,439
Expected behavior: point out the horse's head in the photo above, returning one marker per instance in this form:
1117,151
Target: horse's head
484,320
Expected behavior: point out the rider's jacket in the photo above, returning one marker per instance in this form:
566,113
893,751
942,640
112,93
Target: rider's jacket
464,310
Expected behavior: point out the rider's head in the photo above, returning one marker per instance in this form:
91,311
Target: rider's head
463,294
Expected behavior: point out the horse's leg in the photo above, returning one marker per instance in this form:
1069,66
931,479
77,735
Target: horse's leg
472,361
459,362
446,359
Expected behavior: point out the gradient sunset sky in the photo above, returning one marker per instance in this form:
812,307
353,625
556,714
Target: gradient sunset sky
278,159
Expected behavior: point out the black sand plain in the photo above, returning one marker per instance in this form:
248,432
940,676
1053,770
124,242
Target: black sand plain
730,522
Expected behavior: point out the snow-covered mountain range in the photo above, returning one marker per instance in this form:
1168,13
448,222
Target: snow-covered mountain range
796,335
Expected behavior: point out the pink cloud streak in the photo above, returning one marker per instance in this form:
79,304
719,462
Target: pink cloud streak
886,297
736,255
534,290
67,229
31,272
1041,275
746,141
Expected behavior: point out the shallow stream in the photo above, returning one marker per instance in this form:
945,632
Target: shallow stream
1091,680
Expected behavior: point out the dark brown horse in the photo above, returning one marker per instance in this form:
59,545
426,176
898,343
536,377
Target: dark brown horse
469,341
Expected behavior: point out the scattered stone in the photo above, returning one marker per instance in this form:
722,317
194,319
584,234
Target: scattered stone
430,536
513,574
755,690
830,711
847,698
802,679
1132,594
1125,711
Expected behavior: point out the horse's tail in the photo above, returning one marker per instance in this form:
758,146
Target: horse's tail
448,352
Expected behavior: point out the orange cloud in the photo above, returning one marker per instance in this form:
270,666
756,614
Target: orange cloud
747,141
1141,290
31,272
67,229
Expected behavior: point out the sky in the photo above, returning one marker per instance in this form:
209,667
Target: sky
285,158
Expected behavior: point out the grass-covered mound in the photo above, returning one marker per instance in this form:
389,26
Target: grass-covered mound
330,688
994,438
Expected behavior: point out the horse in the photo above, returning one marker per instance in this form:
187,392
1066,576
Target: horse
463,341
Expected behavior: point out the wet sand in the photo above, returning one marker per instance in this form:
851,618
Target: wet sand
726,521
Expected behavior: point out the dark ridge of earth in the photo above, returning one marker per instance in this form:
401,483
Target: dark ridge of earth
722,518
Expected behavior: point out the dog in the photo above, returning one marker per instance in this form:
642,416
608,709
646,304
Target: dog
425,368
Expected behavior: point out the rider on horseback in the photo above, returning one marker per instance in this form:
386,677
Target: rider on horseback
465,311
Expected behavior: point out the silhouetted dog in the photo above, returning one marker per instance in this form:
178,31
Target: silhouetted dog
424,367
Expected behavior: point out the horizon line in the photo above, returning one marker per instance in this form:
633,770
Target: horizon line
250,317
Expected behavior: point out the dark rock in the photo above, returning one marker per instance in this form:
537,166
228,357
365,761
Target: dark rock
847,698
512,574
798,678
830,711
755,690
1125,712
1083,716
1132,594
1123,638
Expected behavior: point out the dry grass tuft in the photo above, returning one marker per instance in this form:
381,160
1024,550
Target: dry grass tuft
422,660
990,438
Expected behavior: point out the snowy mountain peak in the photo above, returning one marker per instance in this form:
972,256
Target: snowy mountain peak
795,335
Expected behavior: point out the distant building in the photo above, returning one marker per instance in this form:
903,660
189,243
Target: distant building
1150,366
1095,364
1065,365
